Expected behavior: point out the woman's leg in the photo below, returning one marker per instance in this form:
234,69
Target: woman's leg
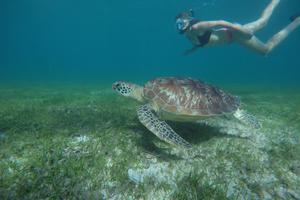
263,20
265,48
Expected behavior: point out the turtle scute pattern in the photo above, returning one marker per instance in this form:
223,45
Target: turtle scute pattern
160,128
189,96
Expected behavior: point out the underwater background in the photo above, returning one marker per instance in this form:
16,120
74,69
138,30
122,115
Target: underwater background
64,134
129,40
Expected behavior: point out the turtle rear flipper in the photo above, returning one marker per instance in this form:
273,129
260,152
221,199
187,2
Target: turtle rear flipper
247,118
160,128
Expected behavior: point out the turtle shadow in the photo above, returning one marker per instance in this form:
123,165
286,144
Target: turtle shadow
198,133
148,146
146,141
192,132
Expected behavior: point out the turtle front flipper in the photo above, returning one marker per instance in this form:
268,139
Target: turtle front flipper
247,118
160,128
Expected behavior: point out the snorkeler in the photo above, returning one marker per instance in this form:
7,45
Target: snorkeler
211,33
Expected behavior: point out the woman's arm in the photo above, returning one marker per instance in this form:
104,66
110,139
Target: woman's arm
206,25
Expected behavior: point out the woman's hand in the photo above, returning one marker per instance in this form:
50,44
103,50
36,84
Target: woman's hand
247,33
207,25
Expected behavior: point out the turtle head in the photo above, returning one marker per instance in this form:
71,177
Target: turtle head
128,90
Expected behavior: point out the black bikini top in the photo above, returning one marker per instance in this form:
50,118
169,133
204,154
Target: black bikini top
204,39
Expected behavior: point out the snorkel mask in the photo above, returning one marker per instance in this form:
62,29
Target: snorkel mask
184,21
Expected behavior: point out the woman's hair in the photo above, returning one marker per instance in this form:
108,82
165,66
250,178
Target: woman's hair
187,15
184,15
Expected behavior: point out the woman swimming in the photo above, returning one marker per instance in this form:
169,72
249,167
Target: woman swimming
211,33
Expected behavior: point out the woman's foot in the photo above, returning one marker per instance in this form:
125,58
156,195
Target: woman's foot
294,17
275,2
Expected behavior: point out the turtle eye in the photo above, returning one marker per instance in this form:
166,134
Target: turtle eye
116,86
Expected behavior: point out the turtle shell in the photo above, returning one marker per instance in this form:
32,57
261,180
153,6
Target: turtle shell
186,96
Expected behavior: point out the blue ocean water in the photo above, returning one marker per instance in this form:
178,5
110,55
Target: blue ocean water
65,134
105,40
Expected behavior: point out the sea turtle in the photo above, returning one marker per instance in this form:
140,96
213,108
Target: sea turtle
180,99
